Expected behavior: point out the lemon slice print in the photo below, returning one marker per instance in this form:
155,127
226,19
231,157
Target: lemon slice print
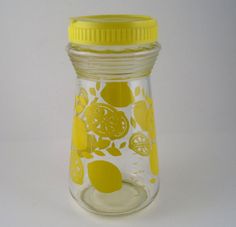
104,176
140,143
117,94
106,121
76,168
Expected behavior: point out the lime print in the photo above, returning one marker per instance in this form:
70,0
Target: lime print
117,94
140,143
106,121
104,176
76,168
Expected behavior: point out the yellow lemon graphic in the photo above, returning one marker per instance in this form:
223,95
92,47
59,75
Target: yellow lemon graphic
154,160
140,114
117,94
104,176
151,123
81,100
79,134
106,121
76,168
140,143
144,115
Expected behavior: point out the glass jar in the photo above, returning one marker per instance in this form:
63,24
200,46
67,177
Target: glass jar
114,163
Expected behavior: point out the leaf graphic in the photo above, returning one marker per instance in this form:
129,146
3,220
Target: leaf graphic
143,92
103,143
92,91
99,153
86,154
92,143
95,100
98,85
137,91
80,154
92,139
149,100
152,180
113,150
122,145
133,122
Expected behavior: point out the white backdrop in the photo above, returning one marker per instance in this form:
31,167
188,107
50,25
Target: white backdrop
194,88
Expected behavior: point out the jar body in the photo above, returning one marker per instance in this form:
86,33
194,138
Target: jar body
114,162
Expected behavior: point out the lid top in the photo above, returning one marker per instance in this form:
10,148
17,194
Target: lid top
117,29
113,18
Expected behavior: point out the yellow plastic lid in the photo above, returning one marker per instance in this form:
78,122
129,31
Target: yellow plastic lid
113,30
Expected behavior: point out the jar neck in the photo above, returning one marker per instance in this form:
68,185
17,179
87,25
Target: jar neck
113,62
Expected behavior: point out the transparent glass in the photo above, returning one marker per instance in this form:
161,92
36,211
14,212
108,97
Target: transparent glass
114,161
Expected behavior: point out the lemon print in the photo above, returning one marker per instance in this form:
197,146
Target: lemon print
81,101
154,160
144,115
79,134
76,168
117,94
151,123
104,176
106,121
140,143
140,114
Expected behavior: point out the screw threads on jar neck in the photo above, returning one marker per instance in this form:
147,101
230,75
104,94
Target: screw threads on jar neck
114,62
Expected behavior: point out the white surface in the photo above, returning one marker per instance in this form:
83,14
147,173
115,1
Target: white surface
194,87
197,185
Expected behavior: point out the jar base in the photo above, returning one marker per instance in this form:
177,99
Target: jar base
130,198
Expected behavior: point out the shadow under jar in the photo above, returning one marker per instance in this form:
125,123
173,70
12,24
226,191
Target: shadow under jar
114,162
